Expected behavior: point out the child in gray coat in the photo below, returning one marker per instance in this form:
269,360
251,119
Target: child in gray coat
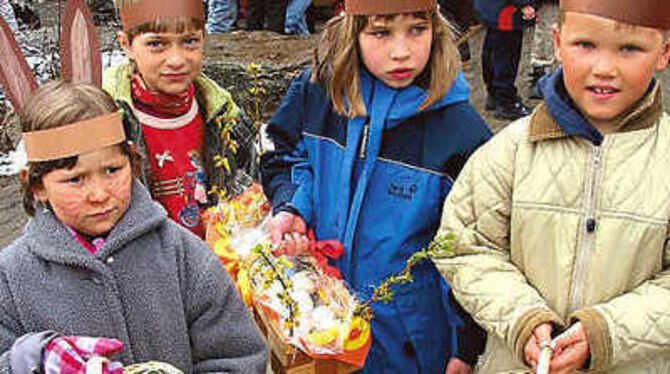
99,258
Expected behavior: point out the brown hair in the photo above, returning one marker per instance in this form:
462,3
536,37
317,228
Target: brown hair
57,104
177,25
337,61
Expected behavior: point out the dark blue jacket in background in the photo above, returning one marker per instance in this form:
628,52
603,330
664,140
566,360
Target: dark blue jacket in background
377,184
504,15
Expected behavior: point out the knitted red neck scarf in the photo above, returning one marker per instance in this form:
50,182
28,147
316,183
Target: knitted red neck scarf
160,104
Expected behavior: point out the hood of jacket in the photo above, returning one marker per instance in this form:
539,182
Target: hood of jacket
405,102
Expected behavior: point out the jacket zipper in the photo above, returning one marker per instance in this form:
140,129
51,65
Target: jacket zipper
364,141
588,227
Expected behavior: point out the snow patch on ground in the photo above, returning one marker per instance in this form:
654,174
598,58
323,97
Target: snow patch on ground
11,163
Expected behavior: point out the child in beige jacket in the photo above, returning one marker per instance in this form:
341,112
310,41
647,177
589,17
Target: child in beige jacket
562,218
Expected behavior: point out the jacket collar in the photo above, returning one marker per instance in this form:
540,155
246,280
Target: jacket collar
52,241
406,101
557,116
211,97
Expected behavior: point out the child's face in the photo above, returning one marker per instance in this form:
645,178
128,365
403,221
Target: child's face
397,50
607,66
93,195
168,62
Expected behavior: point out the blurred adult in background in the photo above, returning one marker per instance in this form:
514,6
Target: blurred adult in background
222,16
266,15
296,19
461,15
542,49
505,21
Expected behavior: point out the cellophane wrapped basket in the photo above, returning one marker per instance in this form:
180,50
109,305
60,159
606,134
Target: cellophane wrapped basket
310,309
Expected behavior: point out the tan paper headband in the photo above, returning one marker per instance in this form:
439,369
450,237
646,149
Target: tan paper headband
75,139
145,11
647,13
383,7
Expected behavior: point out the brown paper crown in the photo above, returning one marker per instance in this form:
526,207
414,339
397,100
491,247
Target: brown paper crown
75,139
647,13
144,11
384,7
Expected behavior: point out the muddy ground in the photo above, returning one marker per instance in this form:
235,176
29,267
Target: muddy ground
283,58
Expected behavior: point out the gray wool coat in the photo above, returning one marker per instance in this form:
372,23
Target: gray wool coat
154,286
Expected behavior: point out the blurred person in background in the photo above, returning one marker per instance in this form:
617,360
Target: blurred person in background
222,16
505,21
272,11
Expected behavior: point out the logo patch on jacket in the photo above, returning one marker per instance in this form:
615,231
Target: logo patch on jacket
403,187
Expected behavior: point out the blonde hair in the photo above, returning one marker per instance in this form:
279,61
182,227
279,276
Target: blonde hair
176,25
57,104
337,62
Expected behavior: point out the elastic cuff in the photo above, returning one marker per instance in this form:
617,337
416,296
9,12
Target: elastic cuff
525,326
287,207
598,335
27,352
45,343
280,198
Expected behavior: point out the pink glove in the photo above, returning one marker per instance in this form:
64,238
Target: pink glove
71,354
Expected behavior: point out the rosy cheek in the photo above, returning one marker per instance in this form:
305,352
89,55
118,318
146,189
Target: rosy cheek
68,204
120,187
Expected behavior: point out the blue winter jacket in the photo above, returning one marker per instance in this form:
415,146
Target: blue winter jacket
377,184
504,15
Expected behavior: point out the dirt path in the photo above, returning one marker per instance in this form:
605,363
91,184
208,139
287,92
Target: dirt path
12,216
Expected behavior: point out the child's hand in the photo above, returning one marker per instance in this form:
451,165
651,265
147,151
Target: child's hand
289,231
571,351
528,12
71,354
293,245
458,366
541,336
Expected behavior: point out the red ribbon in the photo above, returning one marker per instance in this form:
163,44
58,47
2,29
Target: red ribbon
324,250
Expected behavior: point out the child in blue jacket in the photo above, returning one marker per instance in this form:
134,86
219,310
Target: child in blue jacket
367,146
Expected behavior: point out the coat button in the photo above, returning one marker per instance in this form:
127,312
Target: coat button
590,225
110,259
408,348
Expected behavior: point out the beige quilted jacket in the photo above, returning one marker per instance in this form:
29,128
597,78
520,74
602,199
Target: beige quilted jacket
552,228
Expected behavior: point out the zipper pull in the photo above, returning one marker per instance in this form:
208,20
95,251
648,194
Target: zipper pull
364,140
590,225
596,156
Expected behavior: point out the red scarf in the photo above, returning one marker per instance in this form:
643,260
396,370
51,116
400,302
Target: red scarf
159,104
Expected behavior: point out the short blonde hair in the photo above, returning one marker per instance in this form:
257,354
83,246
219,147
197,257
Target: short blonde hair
337,61
177,25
